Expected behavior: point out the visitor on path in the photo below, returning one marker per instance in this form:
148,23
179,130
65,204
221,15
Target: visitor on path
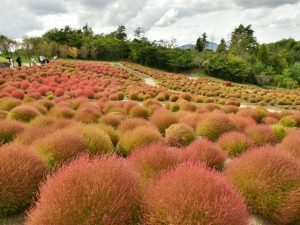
11,63
42,59
19,61
55,57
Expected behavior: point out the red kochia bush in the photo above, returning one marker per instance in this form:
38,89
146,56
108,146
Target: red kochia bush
9,130
102,190
291,143
17,94
21,171
60,146
261,134
205,151
193,194
269,179
150,160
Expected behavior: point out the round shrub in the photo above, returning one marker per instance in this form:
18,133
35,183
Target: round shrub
291,143
204,150
193,194
131,123
138,136
62,111
261,134
279,131
269,120
111,132
234,142
162,119
270,181
9,103
88,114
185,96
179,135
17,94
128,105
189,118
111,120
248,112
9,130
174,106
60,146
187,106
33,133
139,111
287,121
215,124
21,172
101,190
150,160
96,140
23,113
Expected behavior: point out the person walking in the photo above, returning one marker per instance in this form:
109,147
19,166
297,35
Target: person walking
33,62
11,63
19,61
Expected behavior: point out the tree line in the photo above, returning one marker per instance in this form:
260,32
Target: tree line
240,59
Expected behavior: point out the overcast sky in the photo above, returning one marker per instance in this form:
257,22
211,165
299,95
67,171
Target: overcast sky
184,20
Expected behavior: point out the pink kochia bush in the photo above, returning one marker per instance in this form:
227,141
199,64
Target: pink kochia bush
193,194
21,172
150,160
269,179
204,150
101,190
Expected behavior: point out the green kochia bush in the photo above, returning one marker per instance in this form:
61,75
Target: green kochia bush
101,190
215,124
180,135
21,171
269,179
23,113
193,194
234,142
137,137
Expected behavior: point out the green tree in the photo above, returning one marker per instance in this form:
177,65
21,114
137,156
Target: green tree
263,54
243,42
201,42
222,47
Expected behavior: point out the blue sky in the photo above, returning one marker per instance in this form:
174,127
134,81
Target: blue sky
184,20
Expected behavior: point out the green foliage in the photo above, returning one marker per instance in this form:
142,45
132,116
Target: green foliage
227,67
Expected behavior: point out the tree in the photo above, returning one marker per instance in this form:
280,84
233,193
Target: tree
119,33
222,47
63,51
263,54
73,52
201,42
6,45
243,42
84,52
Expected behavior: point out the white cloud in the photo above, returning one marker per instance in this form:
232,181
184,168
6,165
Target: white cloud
169,18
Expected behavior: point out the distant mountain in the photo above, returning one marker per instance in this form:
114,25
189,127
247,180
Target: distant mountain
210,46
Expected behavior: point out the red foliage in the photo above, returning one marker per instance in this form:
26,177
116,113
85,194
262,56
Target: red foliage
270,181
17,94
24,84
150,160
192,194
79,92
59,92
102,190
291,143
261,134
228,83
21,172
204,150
